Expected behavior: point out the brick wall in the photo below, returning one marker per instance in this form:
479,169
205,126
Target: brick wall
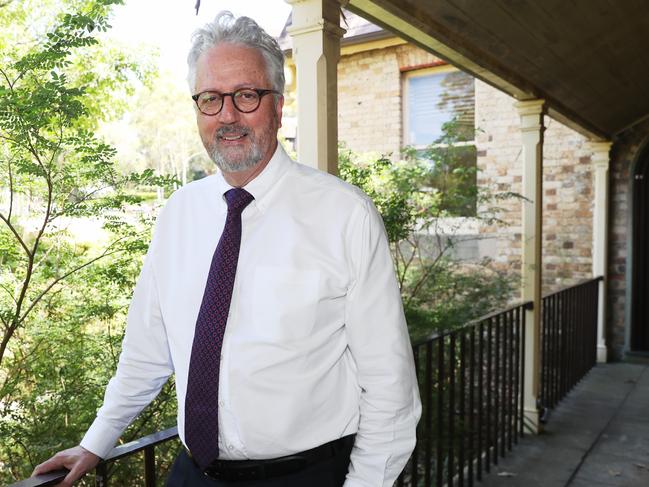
567,189
369,97
499,170
567,207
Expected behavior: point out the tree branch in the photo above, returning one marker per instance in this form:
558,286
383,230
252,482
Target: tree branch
8,291
9,139
406,262
6,77
427,272
42,258
106,253
37,240
400,262
85,198
15,232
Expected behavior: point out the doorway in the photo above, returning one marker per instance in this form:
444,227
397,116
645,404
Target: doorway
640,260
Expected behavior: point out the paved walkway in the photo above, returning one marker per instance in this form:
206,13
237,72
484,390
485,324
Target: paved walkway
598,436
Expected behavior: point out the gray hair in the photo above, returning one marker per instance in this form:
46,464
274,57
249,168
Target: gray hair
243,30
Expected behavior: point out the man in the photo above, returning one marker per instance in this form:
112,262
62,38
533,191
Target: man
311,383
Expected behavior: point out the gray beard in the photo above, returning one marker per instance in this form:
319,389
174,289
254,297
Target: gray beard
240,162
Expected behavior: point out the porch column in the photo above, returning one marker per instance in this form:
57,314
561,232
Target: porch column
531,113
600,158
316,35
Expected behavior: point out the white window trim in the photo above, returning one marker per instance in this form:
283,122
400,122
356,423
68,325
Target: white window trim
416,73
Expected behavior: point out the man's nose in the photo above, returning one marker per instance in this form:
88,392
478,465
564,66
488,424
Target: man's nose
228,113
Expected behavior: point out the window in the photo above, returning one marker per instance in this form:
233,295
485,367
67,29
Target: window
436,99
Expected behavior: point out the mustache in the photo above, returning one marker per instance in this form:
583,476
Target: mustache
231,130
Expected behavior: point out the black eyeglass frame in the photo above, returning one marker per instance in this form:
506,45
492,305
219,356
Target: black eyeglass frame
260,93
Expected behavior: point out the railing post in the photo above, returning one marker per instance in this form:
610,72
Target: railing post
441,440
149,466
531,113
414,459
101,475
600,158
428,424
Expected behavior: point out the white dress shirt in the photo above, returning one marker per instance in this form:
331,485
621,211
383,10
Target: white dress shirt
316,345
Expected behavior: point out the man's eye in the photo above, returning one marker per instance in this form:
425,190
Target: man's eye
247,95
211,98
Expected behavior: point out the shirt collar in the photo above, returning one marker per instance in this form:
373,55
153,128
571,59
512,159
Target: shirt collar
265,181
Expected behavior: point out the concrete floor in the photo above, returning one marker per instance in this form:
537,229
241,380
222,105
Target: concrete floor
597,436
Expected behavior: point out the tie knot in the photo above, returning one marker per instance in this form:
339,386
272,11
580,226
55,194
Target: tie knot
238,199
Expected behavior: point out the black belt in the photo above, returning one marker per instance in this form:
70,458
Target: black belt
274,467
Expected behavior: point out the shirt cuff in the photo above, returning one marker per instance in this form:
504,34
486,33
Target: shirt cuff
101,438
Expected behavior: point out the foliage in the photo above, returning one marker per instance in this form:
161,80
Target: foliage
61,368
451,169
418,198
63,296
172,147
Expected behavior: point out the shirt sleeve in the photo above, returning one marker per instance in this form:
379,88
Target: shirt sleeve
378,340
144,366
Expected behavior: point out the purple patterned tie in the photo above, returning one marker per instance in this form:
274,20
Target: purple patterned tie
201,401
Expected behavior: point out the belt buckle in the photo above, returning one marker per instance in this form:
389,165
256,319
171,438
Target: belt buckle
212,473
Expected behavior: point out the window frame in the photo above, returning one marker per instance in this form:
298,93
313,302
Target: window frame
427,71
405,114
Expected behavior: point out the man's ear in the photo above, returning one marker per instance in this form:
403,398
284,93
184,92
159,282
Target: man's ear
279,105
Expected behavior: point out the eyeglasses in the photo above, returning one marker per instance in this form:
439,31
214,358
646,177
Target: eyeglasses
246,100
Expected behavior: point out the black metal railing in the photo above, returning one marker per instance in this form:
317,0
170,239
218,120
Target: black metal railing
568,339
145,444
471,386
471,382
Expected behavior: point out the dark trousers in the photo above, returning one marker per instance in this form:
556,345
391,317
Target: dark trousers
326,473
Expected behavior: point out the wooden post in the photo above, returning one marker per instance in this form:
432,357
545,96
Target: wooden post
531,113
316,35
600,158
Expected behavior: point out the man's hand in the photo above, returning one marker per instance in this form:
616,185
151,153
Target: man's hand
78,460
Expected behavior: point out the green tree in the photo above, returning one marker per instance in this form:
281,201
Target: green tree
172,147
63,297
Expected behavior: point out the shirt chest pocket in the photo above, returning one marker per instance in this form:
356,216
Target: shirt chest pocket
284,302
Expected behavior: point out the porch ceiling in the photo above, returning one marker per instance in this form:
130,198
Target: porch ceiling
588,59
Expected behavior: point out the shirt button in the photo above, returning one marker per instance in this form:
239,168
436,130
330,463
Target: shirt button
221,404
231,447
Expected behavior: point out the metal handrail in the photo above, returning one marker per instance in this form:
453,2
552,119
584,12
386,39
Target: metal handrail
580,283
146,443
469,324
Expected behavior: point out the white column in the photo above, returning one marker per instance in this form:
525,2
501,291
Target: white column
600,159
316,35
531,113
